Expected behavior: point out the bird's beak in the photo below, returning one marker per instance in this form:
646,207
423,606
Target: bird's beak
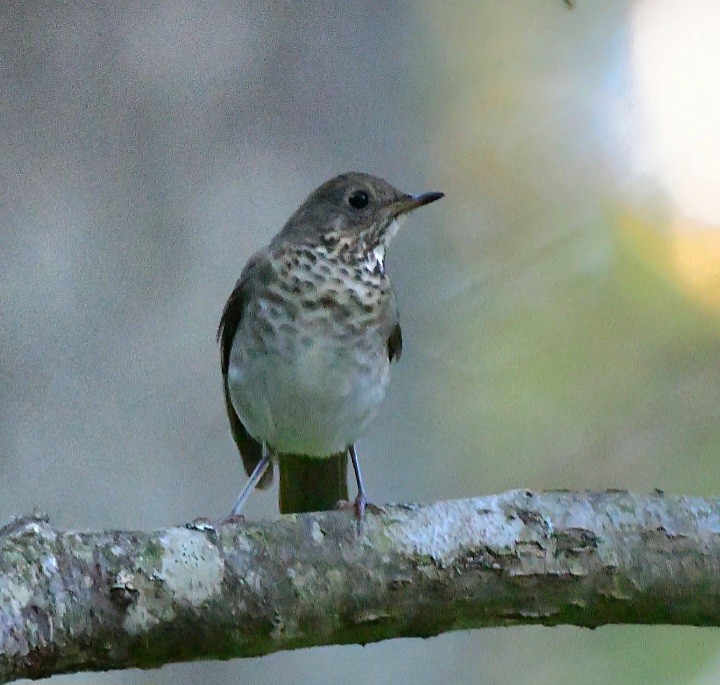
409,202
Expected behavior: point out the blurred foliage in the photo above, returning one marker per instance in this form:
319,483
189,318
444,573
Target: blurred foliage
610,381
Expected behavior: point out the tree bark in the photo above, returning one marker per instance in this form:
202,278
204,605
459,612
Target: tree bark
82,601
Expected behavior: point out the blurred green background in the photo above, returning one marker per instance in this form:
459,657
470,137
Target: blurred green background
561,307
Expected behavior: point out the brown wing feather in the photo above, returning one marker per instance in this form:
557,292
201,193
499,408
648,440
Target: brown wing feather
250,449
395,343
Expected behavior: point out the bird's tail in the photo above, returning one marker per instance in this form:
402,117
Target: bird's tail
310,483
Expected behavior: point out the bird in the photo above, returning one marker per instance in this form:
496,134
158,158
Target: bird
306,340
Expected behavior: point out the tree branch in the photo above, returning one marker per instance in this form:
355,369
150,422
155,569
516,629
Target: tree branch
72,601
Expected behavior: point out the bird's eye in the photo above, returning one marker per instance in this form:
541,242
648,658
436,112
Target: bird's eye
358,199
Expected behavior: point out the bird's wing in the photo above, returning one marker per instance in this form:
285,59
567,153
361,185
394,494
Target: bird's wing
394,339
395,343
250,449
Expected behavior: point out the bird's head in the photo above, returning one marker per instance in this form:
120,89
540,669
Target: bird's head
352,211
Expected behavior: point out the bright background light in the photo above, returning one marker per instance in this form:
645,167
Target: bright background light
676,69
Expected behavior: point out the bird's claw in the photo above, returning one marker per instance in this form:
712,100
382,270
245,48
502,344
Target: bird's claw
359,507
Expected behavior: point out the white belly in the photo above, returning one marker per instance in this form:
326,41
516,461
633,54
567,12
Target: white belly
315,401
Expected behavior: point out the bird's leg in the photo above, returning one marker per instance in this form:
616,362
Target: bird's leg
361,499
361,504
255,477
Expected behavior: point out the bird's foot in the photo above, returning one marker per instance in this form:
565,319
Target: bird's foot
204,524
232,518
359,507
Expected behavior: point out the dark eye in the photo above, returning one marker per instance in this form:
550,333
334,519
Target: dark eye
358,199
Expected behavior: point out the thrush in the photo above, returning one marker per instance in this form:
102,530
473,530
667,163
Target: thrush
306,340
